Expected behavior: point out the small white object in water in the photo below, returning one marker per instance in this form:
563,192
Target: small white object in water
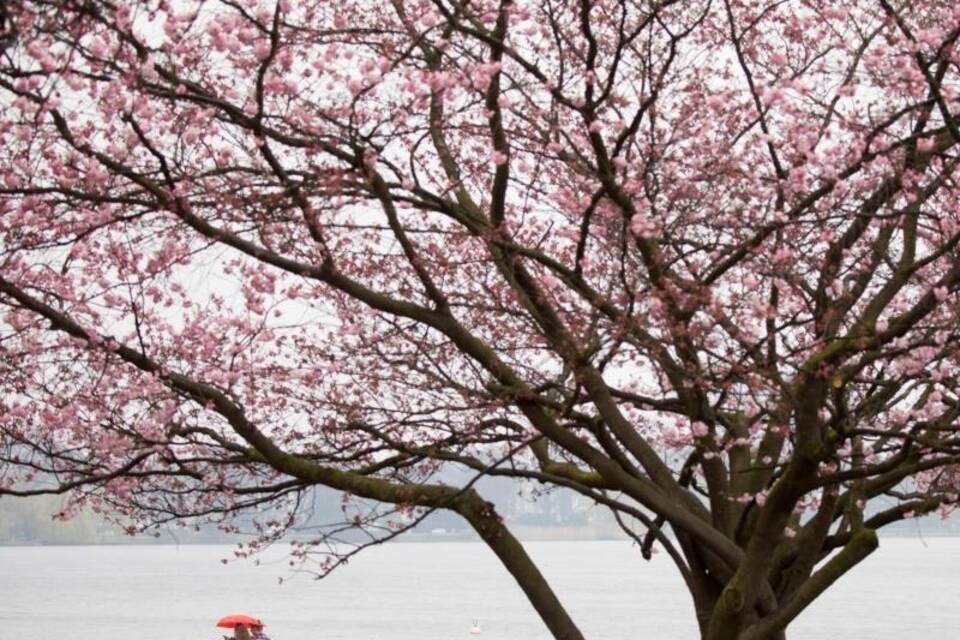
475,629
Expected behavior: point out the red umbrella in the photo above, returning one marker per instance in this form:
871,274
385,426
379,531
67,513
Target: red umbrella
236,619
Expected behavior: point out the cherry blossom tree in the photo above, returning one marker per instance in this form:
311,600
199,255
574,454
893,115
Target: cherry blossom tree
695,260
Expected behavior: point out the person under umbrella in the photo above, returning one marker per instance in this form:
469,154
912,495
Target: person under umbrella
244,627
240,632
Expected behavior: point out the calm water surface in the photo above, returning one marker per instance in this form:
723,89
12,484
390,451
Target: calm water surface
432,591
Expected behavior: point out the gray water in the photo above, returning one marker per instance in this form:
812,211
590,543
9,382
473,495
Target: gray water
433,591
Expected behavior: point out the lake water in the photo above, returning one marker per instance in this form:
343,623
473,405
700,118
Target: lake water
433,591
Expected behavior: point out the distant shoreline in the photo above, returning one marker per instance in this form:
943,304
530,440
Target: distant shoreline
419,538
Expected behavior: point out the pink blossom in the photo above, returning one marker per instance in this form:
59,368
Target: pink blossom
498,158
262,49
643,226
